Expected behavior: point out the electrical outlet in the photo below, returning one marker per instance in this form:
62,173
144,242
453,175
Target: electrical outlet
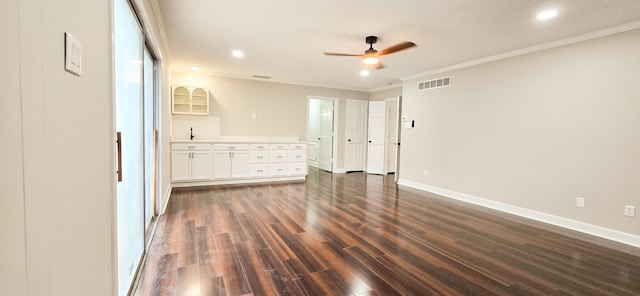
580,202
629,211
426,172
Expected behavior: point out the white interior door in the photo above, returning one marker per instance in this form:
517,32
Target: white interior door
325,154
314,132
376,138
128,51
355,135
392,134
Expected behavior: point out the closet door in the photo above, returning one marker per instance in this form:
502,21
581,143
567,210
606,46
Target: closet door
376,137
355,135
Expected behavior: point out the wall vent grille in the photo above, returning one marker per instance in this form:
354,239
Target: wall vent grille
435,83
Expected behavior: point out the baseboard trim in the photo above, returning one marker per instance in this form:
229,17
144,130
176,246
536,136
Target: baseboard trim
165,199
340,171
606,233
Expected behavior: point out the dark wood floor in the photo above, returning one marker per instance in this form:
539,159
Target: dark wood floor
357,234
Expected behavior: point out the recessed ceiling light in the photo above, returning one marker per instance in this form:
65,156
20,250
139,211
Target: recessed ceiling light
547,14
364,73
237,53
195,68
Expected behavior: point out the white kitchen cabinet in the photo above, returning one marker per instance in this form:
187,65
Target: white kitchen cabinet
201,165
181,166
238,162
191,162
230,161
297,159
259,160
278,170
190,100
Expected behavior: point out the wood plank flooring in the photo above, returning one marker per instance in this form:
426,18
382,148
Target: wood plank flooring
357,234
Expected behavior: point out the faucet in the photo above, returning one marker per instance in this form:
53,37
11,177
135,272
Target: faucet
192,135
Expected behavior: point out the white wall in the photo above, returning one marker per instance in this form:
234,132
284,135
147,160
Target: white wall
13,269
281,109
536,131
61,223
383,94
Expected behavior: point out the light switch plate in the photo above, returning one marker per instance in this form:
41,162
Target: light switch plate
72,54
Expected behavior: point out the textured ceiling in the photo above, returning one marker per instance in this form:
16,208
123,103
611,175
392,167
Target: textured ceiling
285,39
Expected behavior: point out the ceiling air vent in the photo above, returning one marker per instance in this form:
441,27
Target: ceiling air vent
436,83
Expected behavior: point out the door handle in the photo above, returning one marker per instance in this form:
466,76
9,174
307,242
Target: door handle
318,139
119,148
349,140
369,141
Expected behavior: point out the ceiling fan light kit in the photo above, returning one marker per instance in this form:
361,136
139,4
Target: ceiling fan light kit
372,56
370,60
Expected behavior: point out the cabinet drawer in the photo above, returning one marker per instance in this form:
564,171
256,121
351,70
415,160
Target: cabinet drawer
278,170
278,156
190,146
278,146
258,170
230,146
297,155
297,169
259,146
259,156
298,146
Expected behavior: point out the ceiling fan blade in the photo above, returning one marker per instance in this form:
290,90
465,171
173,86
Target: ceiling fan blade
342,54
396,48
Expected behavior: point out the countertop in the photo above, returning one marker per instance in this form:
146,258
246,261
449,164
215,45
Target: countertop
243,139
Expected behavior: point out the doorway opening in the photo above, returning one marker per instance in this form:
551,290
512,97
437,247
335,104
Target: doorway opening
321,126
383,136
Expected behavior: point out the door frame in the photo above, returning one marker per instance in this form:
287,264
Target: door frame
397,131
334,143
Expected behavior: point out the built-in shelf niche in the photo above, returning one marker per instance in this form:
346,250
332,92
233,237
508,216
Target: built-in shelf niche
190,100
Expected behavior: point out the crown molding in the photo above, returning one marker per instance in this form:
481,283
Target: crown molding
531,49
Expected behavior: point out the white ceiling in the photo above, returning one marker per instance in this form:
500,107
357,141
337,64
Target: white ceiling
285,39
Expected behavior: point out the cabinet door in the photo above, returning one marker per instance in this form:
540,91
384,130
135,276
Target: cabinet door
240,164
180,166
221,165
201,165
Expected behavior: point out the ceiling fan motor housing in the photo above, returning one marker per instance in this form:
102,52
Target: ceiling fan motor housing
371,40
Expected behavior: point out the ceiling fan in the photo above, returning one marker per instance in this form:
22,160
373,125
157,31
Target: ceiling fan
371,56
